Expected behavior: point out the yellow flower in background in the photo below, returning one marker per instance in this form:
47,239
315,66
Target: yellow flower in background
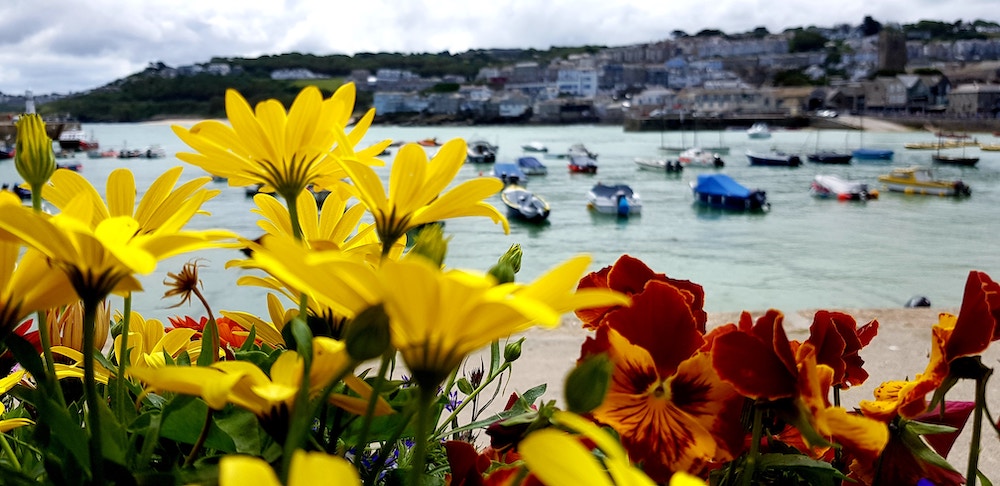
560,458
336,227
416,186
245,385
6,383
74,367
307,469
33,157
284,151
27,285
66,325
148,341
269,332
163,208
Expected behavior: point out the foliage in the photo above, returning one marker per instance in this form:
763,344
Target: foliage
806,41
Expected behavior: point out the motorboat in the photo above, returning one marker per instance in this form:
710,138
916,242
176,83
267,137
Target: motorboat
73,166
481,152
534,147
698,157
509,173
872,154
578,149
827,157
154,152
617,199
921,180
658,164
773,158
429,142
720,191
22,193
759,130
523,204
532,166
831,186
582,164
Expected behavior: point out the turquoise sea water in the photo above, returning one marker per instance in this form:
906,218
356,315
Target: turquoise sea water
805,253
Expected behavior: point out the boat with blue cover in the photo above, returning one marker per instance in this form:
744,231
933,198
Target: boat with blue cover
532,166
722,192
872,154
509,173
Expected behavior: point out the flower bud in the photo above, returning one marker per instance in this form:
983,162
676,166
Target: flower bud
367,335
507,265
512,351
587,384
431,243
34,159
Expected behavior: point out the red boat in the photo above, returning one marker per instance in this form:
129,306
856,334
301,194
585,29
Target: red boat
582,164
76,140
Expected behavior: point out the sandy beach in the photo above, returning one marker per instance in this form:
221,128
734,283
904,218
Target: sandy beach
900,350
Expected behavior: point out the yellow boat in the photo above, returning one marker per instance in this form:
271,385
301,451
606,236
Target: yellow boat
920,180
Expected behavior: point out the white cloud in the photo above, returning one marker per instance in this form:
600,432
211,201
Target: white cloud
56,46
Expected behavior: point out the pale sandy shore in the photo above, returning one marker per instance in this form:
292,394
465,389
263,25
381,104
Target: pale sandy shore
900,350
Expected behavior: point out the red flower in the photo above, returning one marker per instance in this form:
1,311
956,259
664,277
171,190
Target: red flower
838,339
629,276
759,361
230,333
976,326
665,401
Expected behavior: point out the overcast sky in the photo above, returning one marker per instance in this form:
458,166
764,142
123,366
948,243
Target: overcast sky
64,46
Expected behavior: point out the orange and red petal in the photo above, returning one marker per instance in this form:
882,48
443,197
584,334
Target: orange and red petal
752,367
977,319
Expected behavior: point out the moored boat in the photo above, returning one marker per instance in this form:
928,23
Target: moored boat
773,158
509,173
578,149
759,130
831,186
955,160
481,152
534,147
824,157
76,140
658,164
532,166
872,154
698,157
720,191
582,164
524,205
921,180
617,199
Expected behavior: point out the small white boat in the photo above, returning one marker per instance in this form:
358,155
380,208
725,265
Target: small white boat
617,199
759,130
658,165
534,147
831,186
697,157
578,149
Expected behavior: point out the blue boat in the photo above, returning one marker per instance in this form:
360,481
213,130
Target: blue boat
722,192
872,154
509,173
532,166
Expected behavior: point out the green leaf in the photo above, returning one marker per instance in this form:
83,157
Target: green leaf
209,336
464,386
923,428
184,425
243,428
248,345
983,479
921,450
114,436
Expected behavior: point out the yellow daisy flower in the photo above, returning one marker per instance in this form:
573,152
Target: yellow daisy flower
148,341
6,383
284,151
416,190
307,468
27,285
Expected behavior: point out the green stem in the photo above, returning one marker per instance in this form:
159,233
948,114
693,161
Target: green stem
383,454
213,326
90,391
977,430
7,449
293,216
120,389
420,438
201,439
45,341
750,465
486,381
366,423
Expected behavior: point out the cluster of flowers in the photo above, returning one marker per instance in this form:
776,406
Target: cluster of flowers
307,393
